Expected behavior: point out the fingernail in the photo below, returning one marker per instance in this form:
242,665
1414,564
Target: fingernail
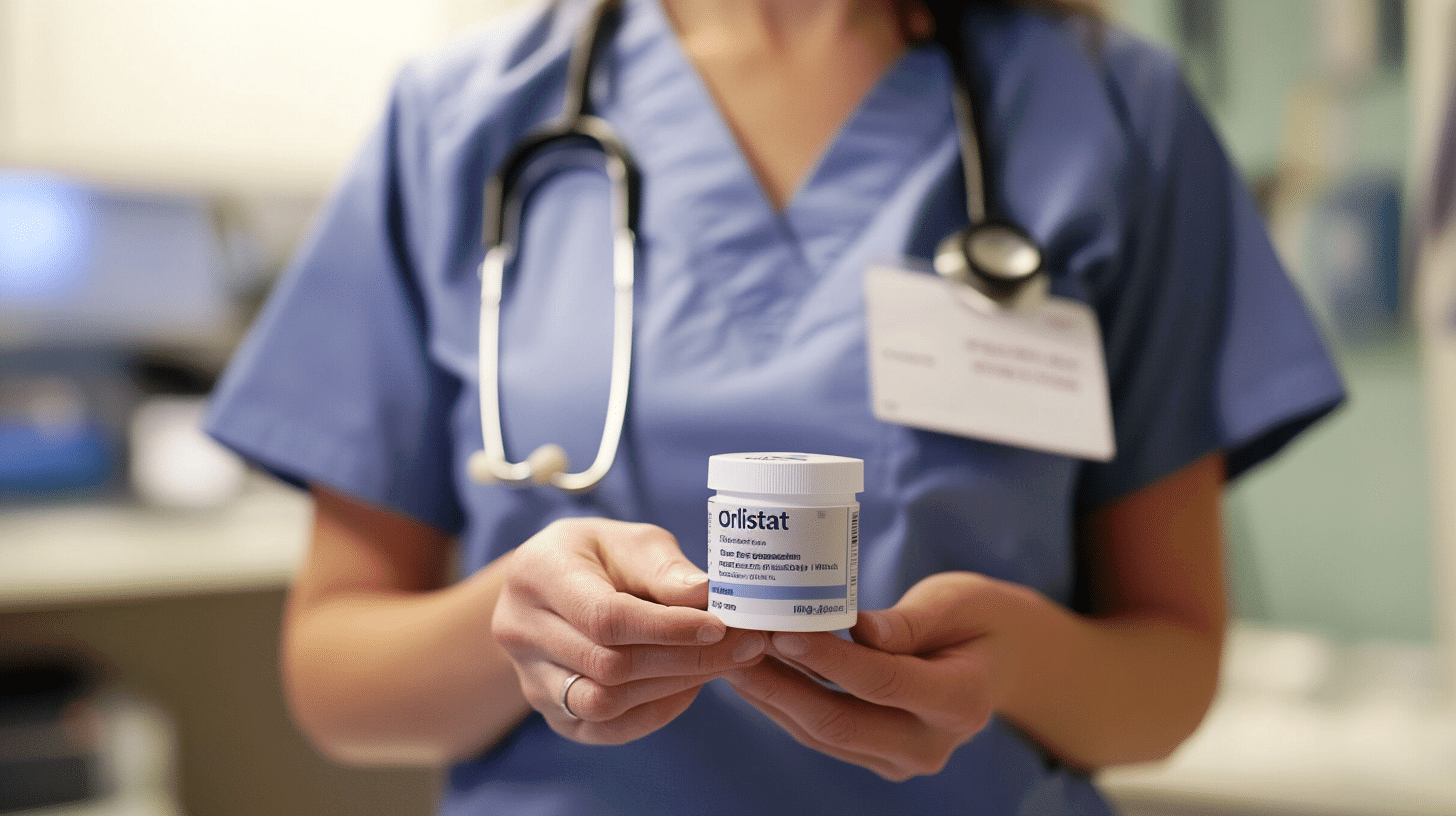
692,578
736,678
880,625
710,634
749,648
791,645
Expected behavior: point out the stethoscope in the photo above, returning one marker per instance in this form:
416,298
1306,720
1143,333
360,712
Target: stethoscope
997,262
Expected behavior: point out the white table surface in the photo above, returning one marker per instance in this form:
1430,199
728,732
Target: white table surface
93,552
1304,726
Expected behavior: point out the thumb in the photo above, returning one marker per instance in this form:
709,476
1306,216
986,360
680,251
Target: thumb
939,611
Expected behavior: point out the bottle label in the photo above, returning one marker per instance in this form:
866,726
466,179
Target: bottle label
799,562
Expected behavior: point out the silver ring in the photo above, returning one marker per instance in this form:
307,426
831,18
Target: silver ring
566,689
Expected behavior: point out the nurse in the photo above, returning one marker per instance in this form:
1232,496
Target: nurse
1032,616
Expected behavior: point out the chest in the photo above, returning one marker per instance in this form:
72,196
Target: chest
784,99
748,335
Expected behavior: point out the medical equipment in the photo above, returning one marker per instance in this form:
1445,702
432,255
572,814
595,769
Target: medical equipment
995,259
577,125
1000,266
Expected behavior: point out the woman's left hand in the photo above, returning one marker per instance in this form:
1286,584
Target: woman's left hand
919,680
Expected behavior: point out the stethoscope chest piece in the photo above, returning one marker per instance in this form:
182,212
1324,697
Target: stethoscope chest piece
998,265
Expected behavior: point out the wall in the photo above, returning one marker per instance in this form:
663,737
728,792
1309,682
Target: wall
213,94
1433,83
1333,537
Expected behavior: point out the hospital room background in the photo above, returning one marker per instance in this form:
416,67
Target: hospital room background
160,158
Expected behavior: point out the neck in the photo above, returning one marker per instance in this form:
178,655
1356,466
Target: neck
787,74
783,27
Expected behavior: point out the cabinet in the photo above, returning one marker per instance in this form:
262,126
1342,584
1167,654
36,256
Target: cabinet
183,611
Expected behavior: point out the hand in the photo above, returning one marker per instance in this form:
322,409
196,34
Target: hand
921,678
620,605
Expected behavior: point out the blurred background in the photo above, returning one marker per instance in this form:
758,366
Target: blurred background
159,159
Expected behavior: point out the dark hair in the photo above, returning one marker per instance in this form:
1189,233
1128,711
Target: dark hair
1090,8
1086,7
919,18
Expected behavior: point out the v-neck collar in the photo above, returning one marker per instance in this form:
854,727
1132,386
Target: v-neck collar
673,125
892,129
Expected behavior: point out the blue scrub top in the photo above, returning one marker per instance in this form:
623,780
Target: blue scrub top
362,372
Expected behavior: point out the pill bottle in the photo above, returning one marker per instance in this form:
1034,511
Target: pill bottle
783,540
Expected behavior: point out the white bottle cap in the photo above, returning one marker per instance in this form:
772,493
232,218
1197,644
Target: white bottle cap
792,473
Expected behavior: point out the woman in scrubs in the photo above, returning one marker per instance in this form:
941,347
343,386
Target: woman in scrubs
1032,617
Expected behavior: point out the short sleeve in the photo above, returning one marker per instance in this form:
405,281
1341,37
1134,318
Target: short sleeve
333,384
1209,345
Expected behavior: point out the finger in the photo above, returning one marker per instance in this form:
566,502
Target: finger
630,663
900,681
939,611
760,687
553,640
878,765
613,666
647,561
620,583
593,702
620,619
634,724
613,618
948,689
591,606
827,721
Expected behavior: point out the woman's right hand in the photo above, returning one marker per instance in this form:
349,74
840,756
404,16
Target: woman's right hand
618,604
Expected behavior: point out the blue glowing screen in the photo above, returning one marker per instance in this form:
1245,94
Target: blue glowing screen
85,263
45,231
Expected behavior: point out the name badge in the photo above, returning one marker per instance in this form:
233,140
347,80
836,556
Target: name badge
1032,377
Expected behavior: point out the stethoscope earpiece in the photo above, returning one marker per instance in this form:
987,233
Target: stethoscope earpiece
546,463
544,466
479,469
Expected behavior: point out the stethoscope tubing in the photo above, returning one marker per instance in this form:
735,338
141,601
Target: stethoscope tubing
503,214
998,263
